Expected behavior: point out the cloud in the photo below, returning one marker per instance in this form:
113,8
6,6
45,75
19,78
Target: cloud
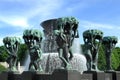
118,44
15,21
92,25
81,5
19,13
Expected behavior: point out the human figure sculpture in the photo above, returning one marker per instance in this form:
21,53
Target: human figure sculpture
11,44
92,39
109,43
33,40
65,33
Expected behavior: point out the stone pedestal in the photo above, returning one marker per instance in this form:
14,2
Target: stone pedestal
43,77
108,76
86,76
118,75
112,75
10,75
94,75
62,74
28,75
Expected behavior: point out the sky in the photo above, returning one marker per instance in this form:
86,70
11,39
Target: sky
18,15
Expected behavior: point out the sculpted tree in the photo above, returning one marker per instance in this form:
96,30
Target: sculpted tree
109,43
92,39
65,33
33,40
11,44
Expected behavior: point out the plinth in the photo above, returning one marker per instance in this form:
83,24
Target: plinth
43,76
63,74
94,75
117,75
28,75
10,75
112,75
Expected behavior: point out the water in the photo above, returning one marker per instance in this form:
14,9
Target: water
76,46
51,61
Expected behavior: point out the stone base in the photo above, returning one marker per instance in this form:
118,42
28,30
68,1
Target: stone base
62,74
10,75
28,75
112,75
94,75
117,75
86,77
43,77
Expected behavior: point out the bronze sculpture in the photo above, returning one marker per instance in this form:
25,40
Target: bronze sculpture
11,44
33,40
92,39
65,33
109,43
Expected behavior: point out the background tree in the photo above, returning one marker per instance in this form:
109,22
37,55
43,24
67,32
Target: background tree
22,52
3,54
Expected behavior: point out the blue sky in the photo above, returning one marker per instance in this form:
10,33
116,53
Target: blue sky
18,15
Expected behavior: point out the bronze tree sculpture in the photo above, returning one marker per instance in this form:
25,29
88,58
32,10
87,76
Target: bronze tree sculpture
65,33
11,44
33,38
92,39
109,43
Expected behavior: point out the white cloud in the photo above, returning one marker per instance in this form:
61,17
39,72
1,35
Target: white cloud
21,14
19,22
1,41
15,21
92,25
81,5
118,44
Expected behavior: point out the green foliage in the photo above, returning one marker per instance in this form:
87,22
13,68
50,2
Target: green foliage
3,54
22,52
101,59
116,58
2,68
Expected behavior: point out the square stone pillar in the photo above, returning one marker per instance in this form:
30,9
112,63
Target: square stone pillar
112,75
28,75
43,76
10,75
62,74
118,75
96,75
86,76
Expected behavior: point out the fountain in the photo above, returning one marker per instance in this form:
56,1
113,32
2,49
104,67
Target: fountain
55,57
77,62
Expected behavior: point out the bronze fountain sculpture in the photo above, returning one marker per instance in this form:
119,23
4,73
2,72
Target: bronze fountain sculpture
92,39
109,43
11,44
33,40
65,33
